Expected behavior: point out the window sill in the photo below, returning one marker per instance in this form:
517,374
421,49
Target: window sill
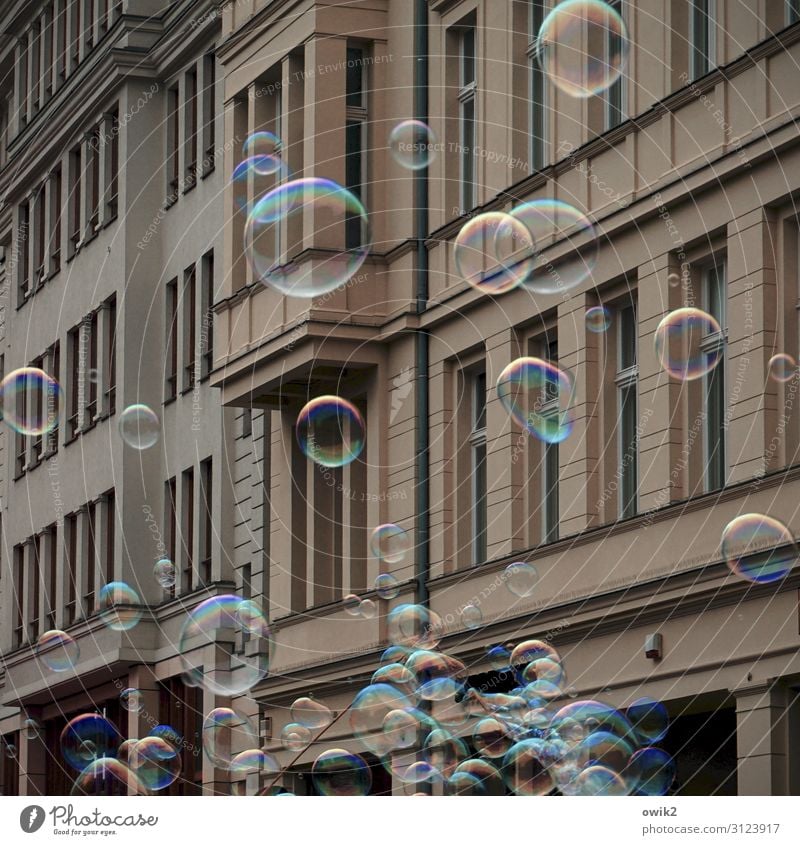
169,400
207,171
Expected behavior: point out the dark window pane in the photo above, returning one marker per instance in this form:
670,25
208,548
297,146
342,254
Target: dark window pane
355,77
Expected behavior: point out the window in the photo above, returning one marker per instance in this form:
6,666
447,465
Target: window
35,574
61,41
90,371
171,375
74,30
626,382
477,441
111,521
53,368
173,135
190,124
35,52
39,232
111,355
355,140
209,110
701,37
187,507
23,256
93,224
467,131
19,591
550,459
615,96
74,381
75,178
88,23
189,327
55,217
37,400
47,45
206,521
91,557
70,566
171,522
538,88
714,294
207,315
50,539
21,445
792,11
23,80
112,188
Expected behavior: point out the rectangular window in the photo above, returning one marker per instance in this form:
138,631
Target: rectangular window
209,110
189,327
47,44
355,140
190,124
173,135
54,370
91,557
74,385
477,440
112,189
714,295
21,441
111,355
23,80
792,11
91,368
35,78
70,566
61,40
538,88
206,521
206,313
467,128
74,198
88,23
170,517
35,575
50,538
701,37
171,327
55,220
40,237
74,30
19,593
111,522
626,381
23,255
94,176
37,400
550,465
187,507
615,96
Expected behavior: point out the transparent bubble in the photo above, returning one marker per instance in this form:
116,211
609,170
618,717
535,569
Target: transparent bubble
572,692
351,603
395,654
539,397
120,606
249,617
124,751
295,737
215,621
651,772
277,234
168,734
367,609
471,617
499,657
758,548
225,730
311,713
491,737
397,675
649,718
30,401
674,280
485,773
386,586
413,144
552,221
164,573
598,319
31,729
529,650
131,700
368,712
261,145
419,772
444,751
494,252
401,728
108,776
255,176
682,343
254,760
389,543
465,784
330,431
782,367
155,762
526,768
583,47
576,720
600,780
604,748
438,675
340,772
139,427
57,650
86,738
521,578
414,626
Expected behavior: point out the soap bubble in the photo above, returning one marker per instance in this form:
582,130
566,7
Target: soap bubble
389,543
521,578
471,616
108,776
311,713
164,573
131,700
598,319
88,737
262,145
155,762
120,606
57,650
30,401
139,427
330,431
649,718
386,586
758,548
352,603
526,768
295,737
367,609
651,772
782,367
340,772
414,626
682,343
224,730
413,144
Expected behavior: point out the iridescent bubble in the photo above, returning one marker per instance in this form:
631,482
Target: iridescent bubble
649,718
539,397
485,773
88,737
414,626
444,751
249,617
583,47
413,144
277,234
254,760
551,221
576,720
262,145
386,586
526,768
397,675
758,548
31,729
419,772
215,622
499,657
491,737
57,650
124,751
253,177
108,776
438,675
367,609
311,713
471,617
340,772
224,730
604,749
131,700
544,669
139,427
782,367
683,343
600,780
598,319
120,606
164,573
521,578
651,772
389,543
494,252
155,762
295,737
529,650
465,784
395,654
401,728
368,712
30,401
351,603
169,734
330,431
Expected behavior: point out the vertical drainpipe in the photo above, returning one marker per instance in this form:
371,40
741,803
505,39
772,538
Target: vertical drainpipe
422,493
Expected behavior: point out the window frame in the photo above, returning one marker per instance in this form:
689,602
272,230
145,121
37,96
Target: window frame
537,154
710,48
626,382
467,97
478,446
715,379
